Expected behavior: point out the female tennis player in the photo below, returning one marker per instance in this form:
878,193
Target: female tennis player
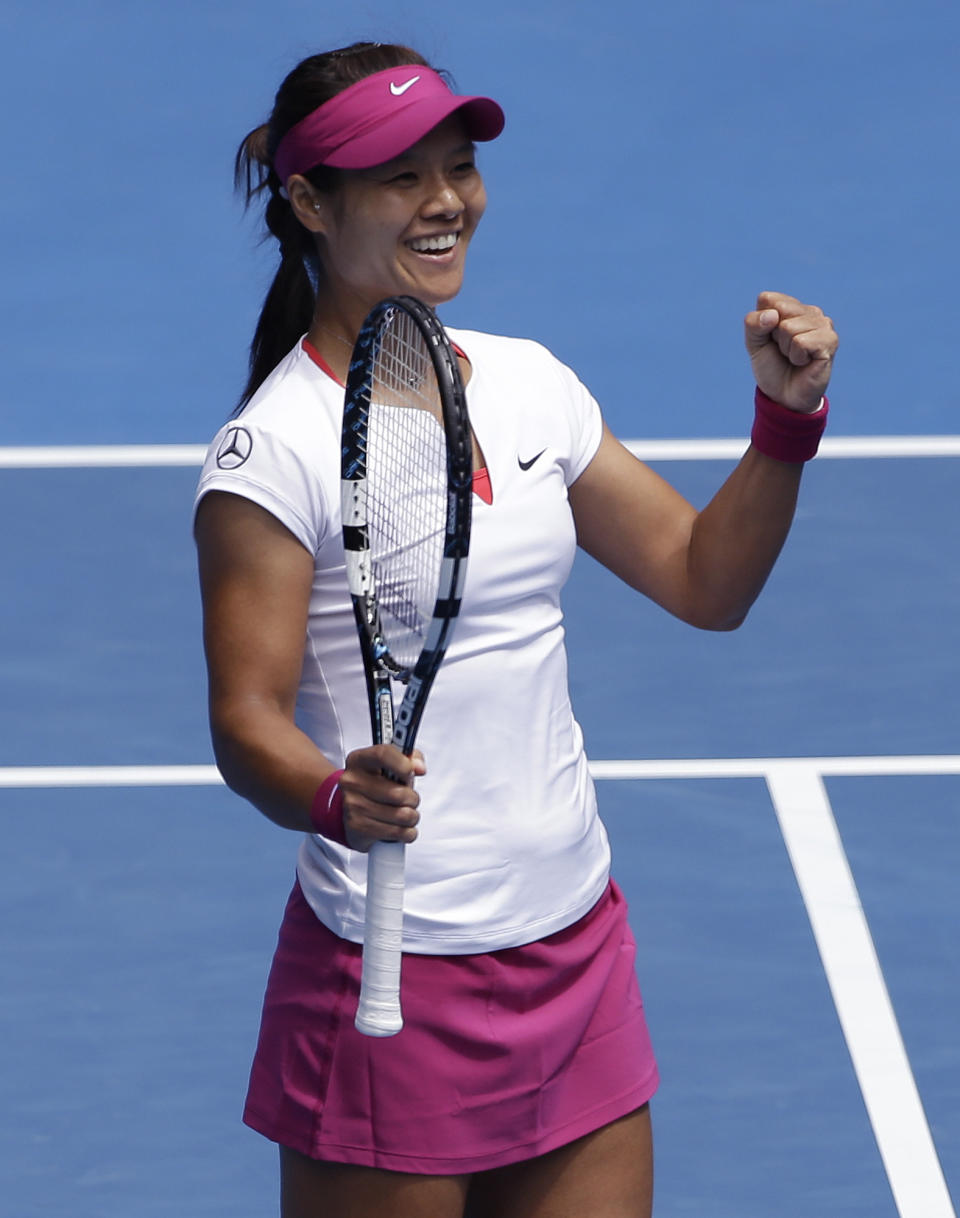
520,1083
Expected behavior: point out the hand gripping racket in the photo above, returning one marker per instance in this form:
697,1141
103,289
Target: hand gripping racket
406,475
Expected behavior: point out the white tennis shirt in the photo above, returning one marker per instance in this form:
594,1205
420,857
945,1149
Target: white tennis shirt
511,848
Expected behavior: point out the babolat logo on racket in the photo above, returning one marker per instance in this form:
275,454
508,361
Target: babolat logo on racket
405,713
234,448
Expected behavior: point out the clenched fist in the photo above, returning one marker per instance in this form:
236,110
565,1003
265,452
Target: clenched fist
791,347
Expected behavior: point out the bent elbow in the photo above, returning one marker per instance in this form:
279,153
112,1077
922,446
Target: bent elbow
730,624
719,623
226,754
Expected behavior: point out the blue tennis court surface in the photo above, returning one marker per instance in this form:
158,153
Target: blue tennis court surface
783,802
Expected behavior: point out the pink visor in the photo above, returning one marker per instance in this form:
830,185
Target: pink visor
379,117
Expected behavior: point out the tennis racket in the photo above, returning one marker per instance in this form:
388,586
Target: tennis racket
406,477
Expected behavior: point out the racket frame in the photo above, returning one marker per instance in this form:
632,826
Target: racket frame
379,1011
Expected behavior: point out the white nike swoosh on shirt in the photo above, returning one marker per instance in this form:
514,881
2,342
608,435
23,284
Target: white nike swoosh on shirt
399,90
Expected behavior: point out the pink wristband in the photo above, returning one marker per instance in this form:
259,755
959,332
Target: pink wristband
787,435
326,811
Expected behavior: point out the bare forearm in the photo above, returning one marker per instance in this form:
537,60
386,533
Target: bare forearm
266,759
736,538
708,567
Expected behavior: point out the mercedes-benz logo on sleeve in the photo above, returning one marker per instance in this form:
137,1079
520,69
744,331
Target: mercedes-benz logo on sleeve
234,448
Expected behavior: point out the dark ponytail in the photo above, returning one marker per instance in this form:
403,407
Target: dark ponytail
289,304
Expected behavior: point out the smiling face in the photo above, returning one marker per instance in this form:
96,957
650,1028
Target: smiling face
402,227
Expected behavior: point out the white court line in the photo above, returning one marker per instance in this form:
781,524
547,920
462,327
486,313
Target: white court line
830,446
723,767
829,894
110,776
760,767
859,992
92,456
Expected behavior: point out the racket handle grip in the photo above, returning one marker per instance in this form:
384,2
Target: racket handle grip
378,1013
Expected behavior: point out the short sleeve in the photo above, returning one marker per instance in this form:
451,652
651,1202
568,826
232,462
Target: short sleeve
263,466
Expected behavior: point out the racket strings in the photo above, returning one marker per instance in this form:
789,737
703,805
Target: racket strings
407,477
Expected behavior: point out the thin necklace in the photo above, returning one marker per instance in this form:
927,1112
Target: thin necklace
339,337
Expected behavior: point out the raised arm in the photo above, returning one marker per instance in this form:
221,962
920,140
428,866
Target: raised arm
255,581
708,567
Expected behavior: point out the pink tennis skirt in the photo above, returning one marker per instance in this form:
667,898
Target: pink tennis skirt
502,1056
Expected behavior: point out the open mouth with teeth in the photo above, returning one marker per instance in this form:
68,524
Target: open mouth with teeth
434,245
